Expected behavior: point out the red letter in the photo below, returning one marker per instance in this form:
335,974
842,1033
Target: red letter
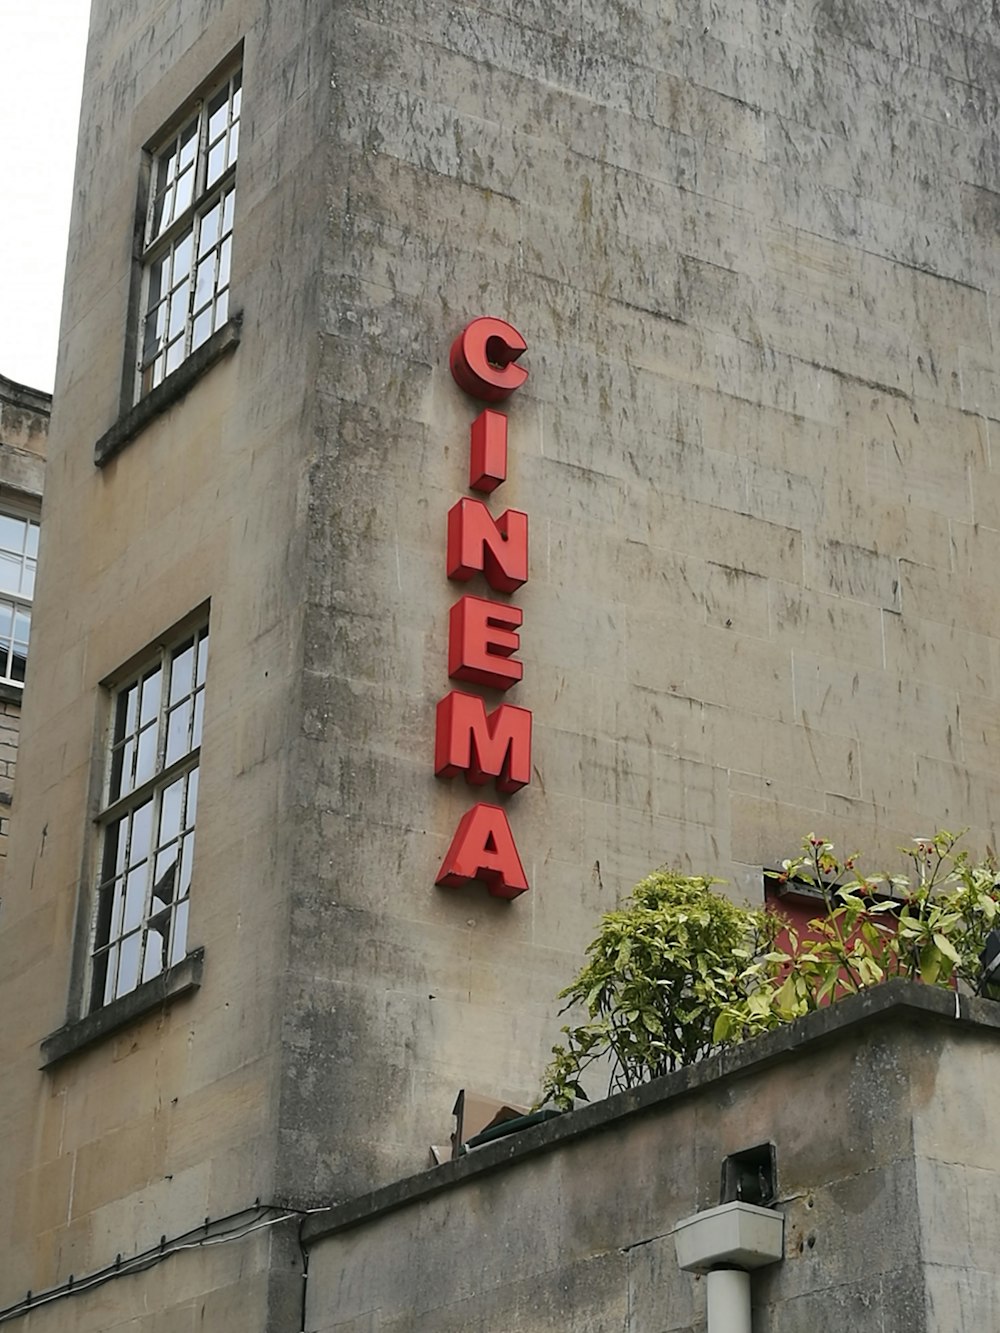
482,636
483,848
498,746
488,451
477,541
482,360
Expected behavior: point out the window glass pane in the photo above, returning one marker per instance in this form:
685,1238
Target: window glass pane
192,799
109,965
153,333
17,664
163,209
234,144
170,812
205,282
117,892
157,284
182,259
228,205
178,943
188,143
32,544
12,533
22,627
150,696
199,717
6,621
145,765
216,162
175,355
141,834
128,965
114,843
28,579
218,113
123,770
119,843
183,192
224,253
10,573
178,312
182,671
221,308
155,948
202,328
165,877
128,701
209,231
187,854
202,657
135,896
177,732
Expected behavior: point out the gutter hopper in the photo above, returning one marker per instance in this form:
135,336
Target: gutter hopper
734,1235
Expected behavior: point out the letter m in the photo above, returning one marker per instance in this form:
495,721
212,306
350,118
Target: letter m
483,747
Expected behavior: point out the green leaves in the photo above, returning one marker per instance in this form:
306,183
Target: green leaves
674,966
680,970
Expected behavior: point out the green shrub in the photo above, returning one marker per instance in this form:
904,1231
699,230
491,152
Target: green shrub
679,970
660,973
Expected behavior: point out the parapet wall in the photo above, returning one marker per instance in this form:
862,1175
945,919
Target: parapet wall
887,1176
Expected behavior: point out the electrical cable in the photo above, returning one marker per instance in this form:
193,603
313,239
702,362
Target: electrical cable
209,1233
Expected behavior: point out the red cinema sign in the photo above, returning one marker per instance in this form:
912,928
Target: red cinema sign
483,633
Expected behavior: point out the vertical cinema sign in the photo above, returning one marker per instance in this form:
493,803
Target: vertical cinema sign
483,631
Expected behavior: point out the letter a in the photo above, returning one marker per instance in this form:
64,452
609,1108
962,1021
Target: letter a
483,848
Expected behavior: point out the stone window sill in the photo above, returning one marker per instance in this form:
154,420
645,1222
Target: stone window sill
178,980
170,391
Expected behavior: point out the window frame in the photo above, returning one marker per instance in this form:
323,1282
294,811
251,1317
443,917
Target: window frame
21,511
111,863
153,246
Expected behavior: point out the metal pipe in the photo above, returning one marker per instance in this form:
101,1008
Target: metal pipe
728,1301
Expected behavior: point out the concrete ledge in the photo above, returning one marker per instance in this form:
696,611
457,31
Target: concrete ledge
23,396
178,980
893,1002
170,391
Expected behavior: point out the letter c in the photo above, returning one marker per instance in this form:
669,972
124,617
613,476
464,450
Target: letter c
482,359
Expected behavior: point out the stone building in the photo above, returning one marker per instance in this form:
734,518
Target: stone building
751,248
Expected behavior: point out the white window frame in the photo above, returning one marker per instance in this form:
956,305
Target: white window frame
187,232
18,603
146,824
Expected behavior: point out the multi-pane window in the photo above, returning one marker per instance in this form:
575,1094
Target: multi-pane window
189,233
18,557
147,824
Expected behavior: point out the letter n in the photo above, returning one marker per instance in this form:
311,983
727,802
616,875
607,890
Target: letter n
498,547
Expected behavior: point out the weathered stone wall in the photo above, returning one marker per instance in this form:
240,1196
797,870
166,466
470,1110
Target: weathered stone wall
889,1204
752,249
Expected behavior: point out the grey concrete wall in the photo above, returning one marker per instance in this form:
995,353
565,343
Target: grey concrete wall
887,1203
751,248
